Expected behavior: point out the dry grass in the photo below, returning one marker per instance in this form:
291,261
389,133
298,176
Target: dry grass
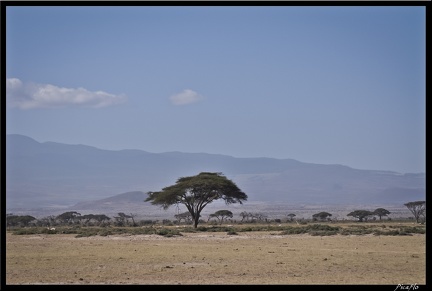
216,258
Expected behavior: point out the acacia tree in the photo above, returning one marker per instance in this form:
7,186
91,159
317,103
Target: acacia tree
122,219
69,217
221,215
46,221
321,215
291,216
360,214
18,220
245,215
417,208
186,216
99,218
196,192
381,212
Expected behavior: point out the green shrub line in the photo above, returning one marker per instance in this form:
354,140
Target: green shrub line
311,229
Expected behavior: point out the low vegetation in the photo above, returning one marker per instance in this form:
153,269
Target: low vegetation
321,223
314,229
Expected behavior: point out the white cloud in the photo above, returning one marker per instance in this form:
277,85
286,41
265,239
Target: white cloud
185,97
32,95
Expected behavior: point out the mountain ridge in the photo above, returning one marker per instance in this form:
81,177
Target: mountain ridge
51,173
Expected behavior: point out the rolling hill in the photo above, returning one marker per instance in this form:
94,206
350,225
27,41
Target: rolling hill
50,174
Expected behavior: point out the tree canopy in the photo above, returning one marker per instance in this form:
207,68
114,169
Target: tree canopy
186,216
196,192
360,214
321,215
69,216
381,212
417,208
291,216
19,220
221,215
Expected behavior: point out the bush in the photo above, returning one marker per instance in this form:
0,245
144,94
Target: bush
105,233
323,227
391,232
168,232
24,231
314,229
323,233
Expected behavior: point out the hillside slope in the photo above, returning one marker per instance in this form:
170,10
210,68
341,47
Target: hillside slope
52,174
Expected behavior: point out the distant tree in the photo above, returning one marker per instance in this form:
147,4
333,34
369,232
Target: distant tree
417,208
122,219
360,214
221,215
245,215
249,216
132,215
186,216
291,216
19,220
259,217
381,212
196,192
69,217
99,218
46,221
321,215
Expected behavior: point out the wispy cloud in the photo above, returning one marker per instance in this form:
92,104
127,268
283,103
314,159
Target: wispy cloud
186,97
33,95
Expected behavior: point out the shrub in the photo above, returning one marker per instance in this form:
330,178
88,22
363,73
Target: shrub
168,232
323,233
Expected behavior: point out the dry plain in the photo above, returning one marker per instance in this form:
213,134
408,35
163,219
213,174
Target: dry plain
248,258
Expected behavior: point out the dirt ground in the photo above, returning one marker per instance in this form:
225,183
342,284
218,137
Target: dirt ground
249,258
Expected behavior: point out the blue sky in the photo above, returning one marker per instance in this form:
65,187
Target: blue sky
327,85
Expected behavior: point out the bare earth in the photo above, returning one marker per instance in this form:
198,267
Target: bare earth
216,258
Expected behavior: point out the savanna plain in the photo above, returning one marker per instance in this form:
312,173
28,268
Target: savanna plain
218,257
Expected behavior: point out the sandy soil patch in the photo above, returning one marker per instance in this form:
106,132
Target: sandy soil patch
215,258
